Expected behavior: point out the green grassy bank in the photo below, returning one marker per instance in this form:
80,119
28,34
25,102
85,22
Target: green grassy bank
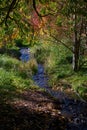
57,61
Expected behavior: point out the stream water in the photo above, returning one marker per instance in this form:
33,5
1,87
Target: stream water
75,110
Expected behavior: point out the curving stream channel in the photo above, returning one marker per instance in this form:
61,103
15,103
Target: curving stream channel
74,110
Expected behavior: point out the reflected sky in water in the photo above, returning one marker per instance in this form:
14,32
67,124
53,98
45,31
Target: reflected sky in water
25,54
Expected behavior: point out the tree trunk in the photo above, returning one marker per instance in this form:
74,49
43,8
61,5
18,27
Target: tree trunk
76,47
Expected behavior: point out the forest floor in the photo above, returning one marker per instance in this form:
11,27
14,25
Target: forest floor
31,110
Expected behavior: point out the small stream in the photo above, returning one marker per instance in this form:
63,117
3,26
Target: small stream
75,110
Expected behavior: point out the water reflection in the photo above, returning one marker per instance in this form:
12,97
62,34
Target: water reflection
25,54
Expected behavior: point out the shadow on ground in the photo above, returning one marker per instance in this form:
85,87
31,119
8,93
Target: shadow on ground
30,110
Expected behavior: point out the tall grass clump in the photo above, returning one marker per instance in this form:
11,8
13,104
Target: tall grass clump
16,75
12,64
29,67
41,52
12,82
8,62
79,83
58,63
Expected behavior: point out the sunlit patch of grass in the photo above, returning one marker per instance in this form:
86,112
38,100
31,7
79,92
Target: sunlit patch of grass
12,81
8,62
79,84
15,75
12,64
29,67
11,84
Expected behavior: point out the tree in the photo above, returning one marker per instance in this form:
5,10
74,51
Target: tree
25,15
16,14
70,22
77,10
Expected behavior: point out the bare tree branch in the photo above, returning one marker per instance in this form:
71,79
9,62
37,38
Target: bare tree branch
9,9
35,8
61,42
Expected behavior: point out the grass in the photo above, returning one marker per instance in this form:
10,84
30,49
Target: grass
15,76
79,83
12,64
12,81
41,52
8,62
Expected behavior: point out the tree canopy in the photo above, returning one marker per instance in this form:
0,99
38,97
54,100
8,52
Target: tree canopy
61,19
